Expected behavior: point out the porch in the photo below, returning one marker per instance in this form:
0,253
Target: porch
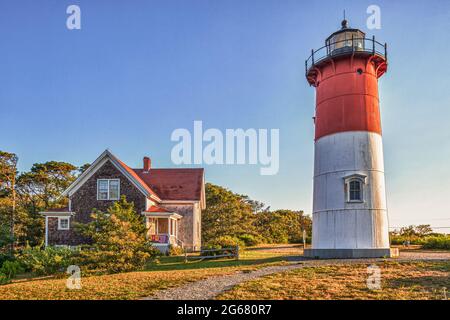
162,228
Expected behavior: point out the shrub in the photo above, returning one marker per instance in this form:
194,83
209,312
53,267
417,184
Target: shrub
118,240
436,242
11,268
4,279
250,240
5,257
225,242
175,251
427,242
46,261
221,243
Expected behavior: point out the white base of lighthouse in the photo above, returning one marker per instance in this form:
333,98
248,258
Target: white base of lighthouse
347,221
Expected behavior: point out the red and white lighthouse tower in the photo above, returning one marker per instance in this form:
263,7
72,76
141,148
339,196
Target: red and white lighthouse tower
349,204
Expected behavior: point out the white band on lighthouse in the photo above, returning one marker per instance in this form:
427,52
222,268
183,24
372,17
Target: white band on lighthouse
341,222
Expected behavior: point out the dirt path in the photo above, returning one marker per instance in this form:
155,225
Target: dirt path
211,287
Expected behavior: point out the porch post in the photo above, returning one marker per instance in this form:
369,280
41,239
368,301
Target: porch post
169,222
147,227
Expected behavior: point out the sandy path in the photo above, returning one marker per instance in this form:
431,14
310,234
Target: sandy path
211,287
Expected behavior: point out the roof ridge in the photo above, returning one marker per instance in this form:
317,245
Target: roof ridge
135,175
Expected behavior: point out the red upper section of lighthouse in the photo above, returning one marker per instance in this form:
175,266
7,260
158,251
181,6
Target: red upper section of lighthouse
346,81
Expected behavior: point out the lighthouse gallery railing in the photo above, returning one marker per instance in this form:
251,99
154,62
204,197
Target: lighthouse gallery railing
344,47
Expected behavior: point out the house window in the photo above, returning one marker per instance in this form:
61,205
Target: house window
63,223
355,190
108,189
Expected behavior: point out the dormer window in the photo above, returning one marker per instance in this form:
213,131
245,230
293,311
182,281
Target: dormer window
108,189
354,187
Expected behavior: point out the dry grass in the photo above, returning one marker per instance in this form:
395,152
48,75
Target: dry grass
413,280
170,272
131,285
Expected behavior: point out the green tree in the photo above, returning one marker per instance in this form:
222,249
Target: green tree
8,174
37,190
423,230
283,226
226,214
409,231
118,240
44,183
84,167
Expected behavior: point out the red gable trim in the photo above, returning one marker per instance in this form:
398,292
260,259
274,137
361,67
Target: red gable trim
122,167
156,209
138,179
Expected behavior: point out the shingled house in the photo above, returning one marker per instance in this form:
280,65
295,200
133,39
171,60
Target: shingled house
171,200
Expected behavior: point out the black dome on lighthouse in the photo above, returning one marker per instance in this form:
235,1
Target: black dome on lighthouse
346,33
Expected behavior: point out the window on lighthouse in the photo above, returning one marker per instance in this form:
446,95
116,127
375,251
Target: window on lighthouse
355,190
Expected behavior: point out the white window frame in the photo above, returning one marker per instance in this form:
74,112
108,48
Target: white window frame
59,223
355,177
108,197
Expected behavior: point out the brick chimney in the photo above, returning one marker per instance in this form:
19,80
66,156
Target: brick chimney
147,164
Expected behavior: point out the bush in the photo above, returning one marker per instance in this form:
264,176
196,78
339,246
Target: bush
221,243
436,242
250,240
175,251
5,257
225,242
428,242
118,238
4,279
11,268
46,261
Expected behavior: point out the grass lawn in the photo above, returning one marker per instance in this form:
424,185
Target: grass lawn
169,272
253,256
406,280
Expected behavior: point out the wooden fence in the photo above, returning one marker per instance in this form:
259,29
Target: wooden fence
231,252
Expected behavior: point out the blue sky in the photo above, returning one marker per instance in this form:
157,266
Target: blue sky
137,70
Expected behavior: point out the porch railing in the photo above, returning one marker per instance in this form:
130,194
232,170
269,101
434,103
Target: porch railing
159,238
165,238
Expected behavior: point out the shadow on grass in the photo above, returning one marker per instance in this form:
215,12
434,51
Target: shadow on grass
177,263
437,285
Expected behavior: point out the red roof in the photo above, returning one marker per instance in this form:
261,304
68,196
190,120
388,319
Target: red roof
156,209
133,173
174,184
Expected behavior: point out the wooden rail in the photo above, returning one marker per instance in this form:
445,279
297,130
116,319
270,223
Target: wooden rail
232,252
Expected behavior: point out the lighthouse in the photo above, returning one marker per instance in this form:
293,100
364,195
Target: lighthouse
350,217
